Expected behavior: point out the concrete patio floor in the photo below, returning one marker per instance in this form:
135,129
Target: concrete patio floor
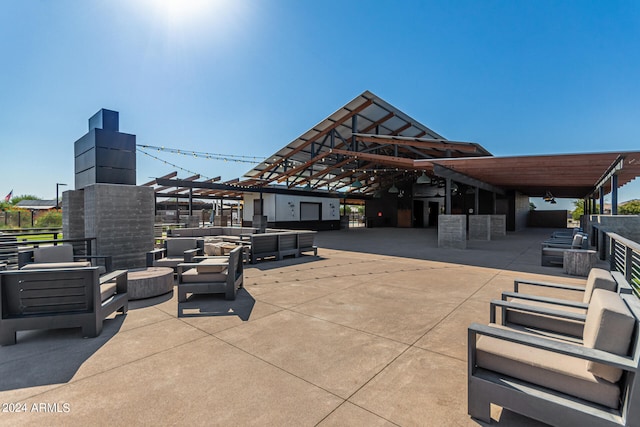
372,332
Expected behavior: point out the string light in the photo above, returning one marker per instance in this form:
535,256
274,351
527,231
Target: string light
171,164
210,156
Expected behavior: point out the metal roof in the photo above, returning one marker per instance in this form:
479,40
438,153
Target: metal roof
367,145
353,145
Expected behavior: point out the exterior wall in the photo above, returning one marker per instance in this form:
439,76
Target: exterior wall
73,216
121,219
284,208
628,226
548,219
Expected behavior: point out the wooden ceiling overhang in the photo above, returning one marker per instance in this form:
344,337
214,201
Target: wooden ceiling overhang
564,175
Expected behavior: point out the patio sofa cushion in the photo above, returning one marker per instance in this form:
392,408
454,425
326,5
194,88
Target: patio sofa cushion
60,253
192,276
559,372
549,323
598,279
177,246
608,327
48,265
107,290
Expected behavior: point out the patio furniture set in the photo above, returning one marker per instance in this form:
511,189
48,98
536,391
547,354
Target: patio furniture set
273,244
53,288
570,251
562,362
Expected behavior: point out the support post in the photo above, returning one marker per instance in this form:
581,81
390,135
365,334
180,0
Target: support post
476,202
447,196
614,194
601,210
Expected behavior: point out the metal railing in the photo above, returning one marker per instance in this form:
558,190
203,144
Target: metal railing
624,256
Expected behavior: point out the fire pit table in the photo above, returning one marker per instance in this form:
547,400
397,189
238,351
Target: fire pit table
149,282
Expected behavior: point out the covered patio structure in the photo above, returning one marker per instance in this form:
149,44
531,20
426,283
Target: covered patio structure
406,174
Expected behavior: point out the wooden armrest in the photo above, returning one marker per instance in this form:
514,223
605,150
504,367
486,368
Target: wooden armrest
548,300
517,282
578,351
494,304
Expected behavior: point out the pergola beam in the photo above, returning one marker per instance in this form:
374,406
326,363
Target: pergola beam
447,173
335,124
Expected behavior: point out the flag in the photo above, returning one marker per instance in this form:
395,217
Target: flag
8,196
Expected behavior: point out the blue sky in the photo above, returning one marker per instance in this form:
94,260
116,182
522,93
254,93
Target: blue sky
243,77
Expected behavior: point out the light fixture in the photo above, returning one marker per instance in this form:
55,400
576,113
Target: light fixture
423,179
356,184
393,189
548,197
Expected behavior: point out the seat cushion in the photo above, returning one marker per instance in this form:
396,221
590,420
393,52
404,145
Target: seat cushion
213,265
171,262
598,279
559,372
60,253
176,247
107,290
609,327
192,276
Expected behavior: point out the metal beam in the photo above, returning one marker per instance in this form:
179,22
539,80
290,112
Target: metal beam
246,189
444,172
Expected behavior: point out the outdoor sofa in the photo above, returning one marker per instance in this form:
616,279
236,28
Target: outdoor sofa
175,251
212,275
59,298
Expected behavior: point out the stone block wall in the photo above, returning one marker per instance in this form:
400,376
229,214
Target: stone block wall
479,227
452,231
498,226
119,217
73,217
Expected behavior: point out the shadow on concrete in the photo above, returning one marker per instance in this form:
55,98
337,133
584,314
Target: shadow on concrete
53,356
517,251
273,264
148,302
203,305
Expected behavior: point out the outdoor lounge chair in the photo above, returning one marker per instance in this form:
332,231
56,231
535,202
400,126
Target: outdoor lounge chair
60,256
176,250
597,279
211,276
552,252
59,298
594,382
